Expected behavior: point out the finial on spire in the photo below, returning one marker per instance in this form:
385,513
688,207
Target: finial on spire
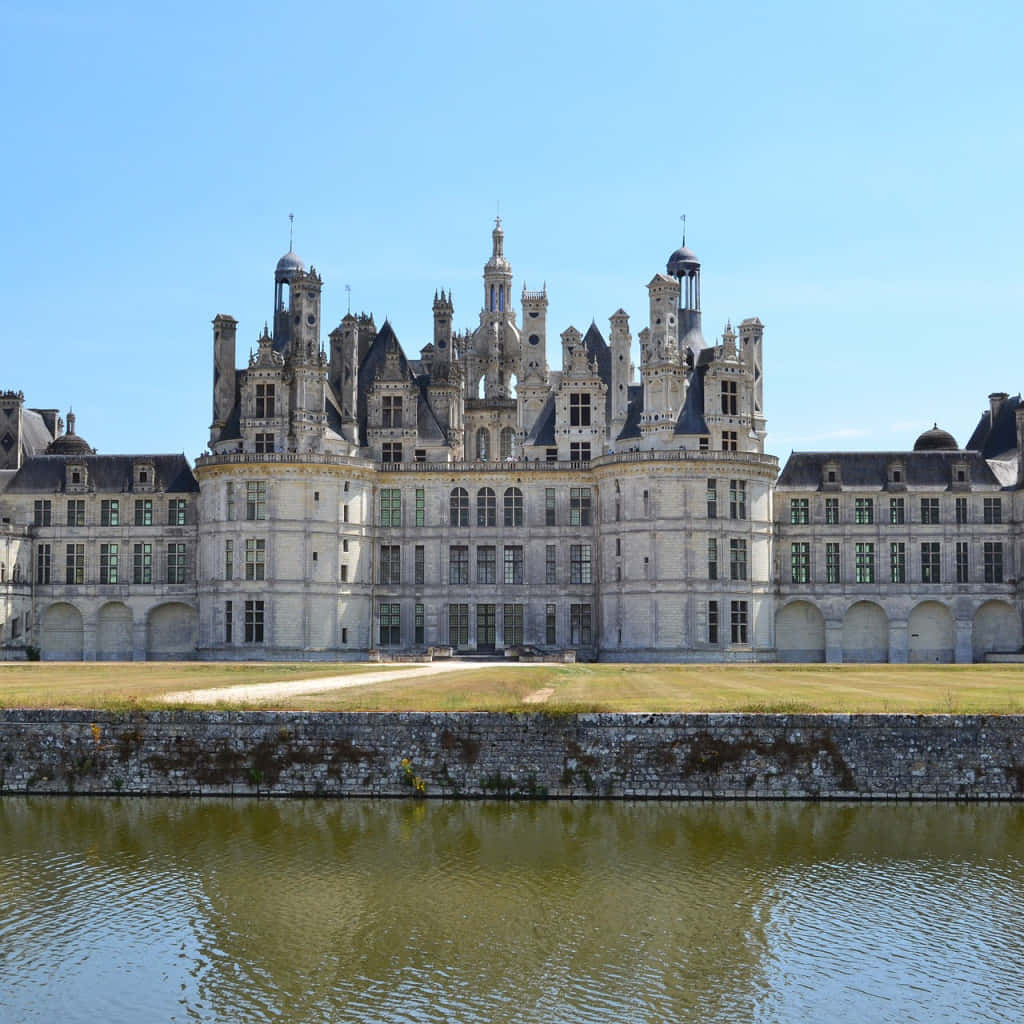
348,292
291,232
682,217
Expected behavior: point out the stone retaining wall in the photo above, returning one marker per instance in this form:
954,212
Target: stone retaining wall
687,756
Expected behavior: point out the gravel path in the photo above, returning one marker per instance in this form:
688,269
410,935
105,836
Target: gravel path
273,691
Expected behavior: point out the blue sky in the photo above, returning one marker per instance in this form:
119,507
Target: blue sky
851,174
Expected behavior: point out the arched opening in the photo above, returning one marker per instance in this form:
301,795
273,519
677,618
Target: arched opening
481,386
865,633
507,442
486,507
114,632
800,633
513,386
492,299
171,633
997,629
60,633
458,507
483,444
930,629
513,506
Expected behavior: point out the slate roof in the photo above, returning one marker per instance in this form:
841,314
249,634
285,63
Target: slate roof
994,439
543,430
691,416
34,433
45,474
870,470
598,350
631,428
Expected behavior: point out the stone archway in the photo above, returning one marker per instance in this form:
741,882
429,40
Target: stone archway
930,633
114,632
171,632
996,628
800,632
61,633
865,633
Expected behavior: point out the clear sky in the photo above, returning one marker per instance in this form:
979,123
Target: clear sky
851,174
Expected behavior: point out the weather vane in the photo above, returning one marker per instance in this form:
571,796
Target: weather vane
291,231
348,290
682,217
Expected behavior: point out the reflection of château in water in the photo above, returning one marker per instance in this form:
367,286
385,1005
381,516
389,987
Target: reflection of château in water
358,497
349,910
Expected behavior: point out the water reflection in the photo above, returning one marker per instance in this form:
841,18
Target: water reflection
127,910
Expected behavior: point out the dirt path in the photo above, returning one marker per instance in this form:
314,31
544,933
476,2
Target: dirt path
272,691
539,696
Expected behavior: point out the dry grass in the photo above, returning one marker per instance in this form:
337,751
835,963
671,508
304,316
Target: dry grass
122,685
911,689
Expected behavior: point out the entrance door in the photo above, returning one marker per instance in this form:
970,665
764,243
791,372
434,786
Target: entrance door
485,627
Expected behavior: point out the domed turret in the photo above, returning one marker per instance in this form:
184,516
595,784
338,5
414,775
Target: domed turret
70,443
936,440
682,261
288,266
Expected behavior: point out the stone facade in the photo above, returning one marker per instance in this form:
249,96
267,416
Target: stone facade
354,498
639,756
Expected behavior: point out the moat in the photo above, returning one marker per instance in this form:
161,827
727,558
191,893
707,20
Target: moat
127,909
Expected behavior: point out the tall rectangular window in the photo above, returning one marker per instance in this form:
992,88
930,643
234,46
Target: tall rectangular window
962,562
42,514
175,563
739,622
993,510
581,630
44,562
390,506
579,451
255,558
863,511
176,511
418,624
737,559
993,562
487,564
256,499
421,507
458,565
579,563
229,559
712,558
730,440
712,498
961,511
712,622
799,511
390,623
513,506
108,563
831,511
579,409
929,510
549,506
229,500
143,512
264,401
75,564
729,397
512,624
458,625
832,567
76,512
514,564
898,562
800,562
142,563
550,622
391,411
930,562
264,443
550,563
864,563
110,512
897,511
737,499
229,621
419,565
579,506
390,565
391,451
254,622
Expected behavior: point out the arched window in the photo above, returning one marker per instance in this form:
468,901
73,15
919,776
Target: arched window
501,297
459,507
492,298
507,436
486,507
513,507
483,444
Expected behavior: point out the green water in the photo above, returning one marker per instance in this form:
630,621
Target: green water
127,910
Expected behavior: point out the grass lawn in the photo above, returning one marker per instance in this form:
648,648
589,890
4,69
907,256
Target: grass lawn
913,689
